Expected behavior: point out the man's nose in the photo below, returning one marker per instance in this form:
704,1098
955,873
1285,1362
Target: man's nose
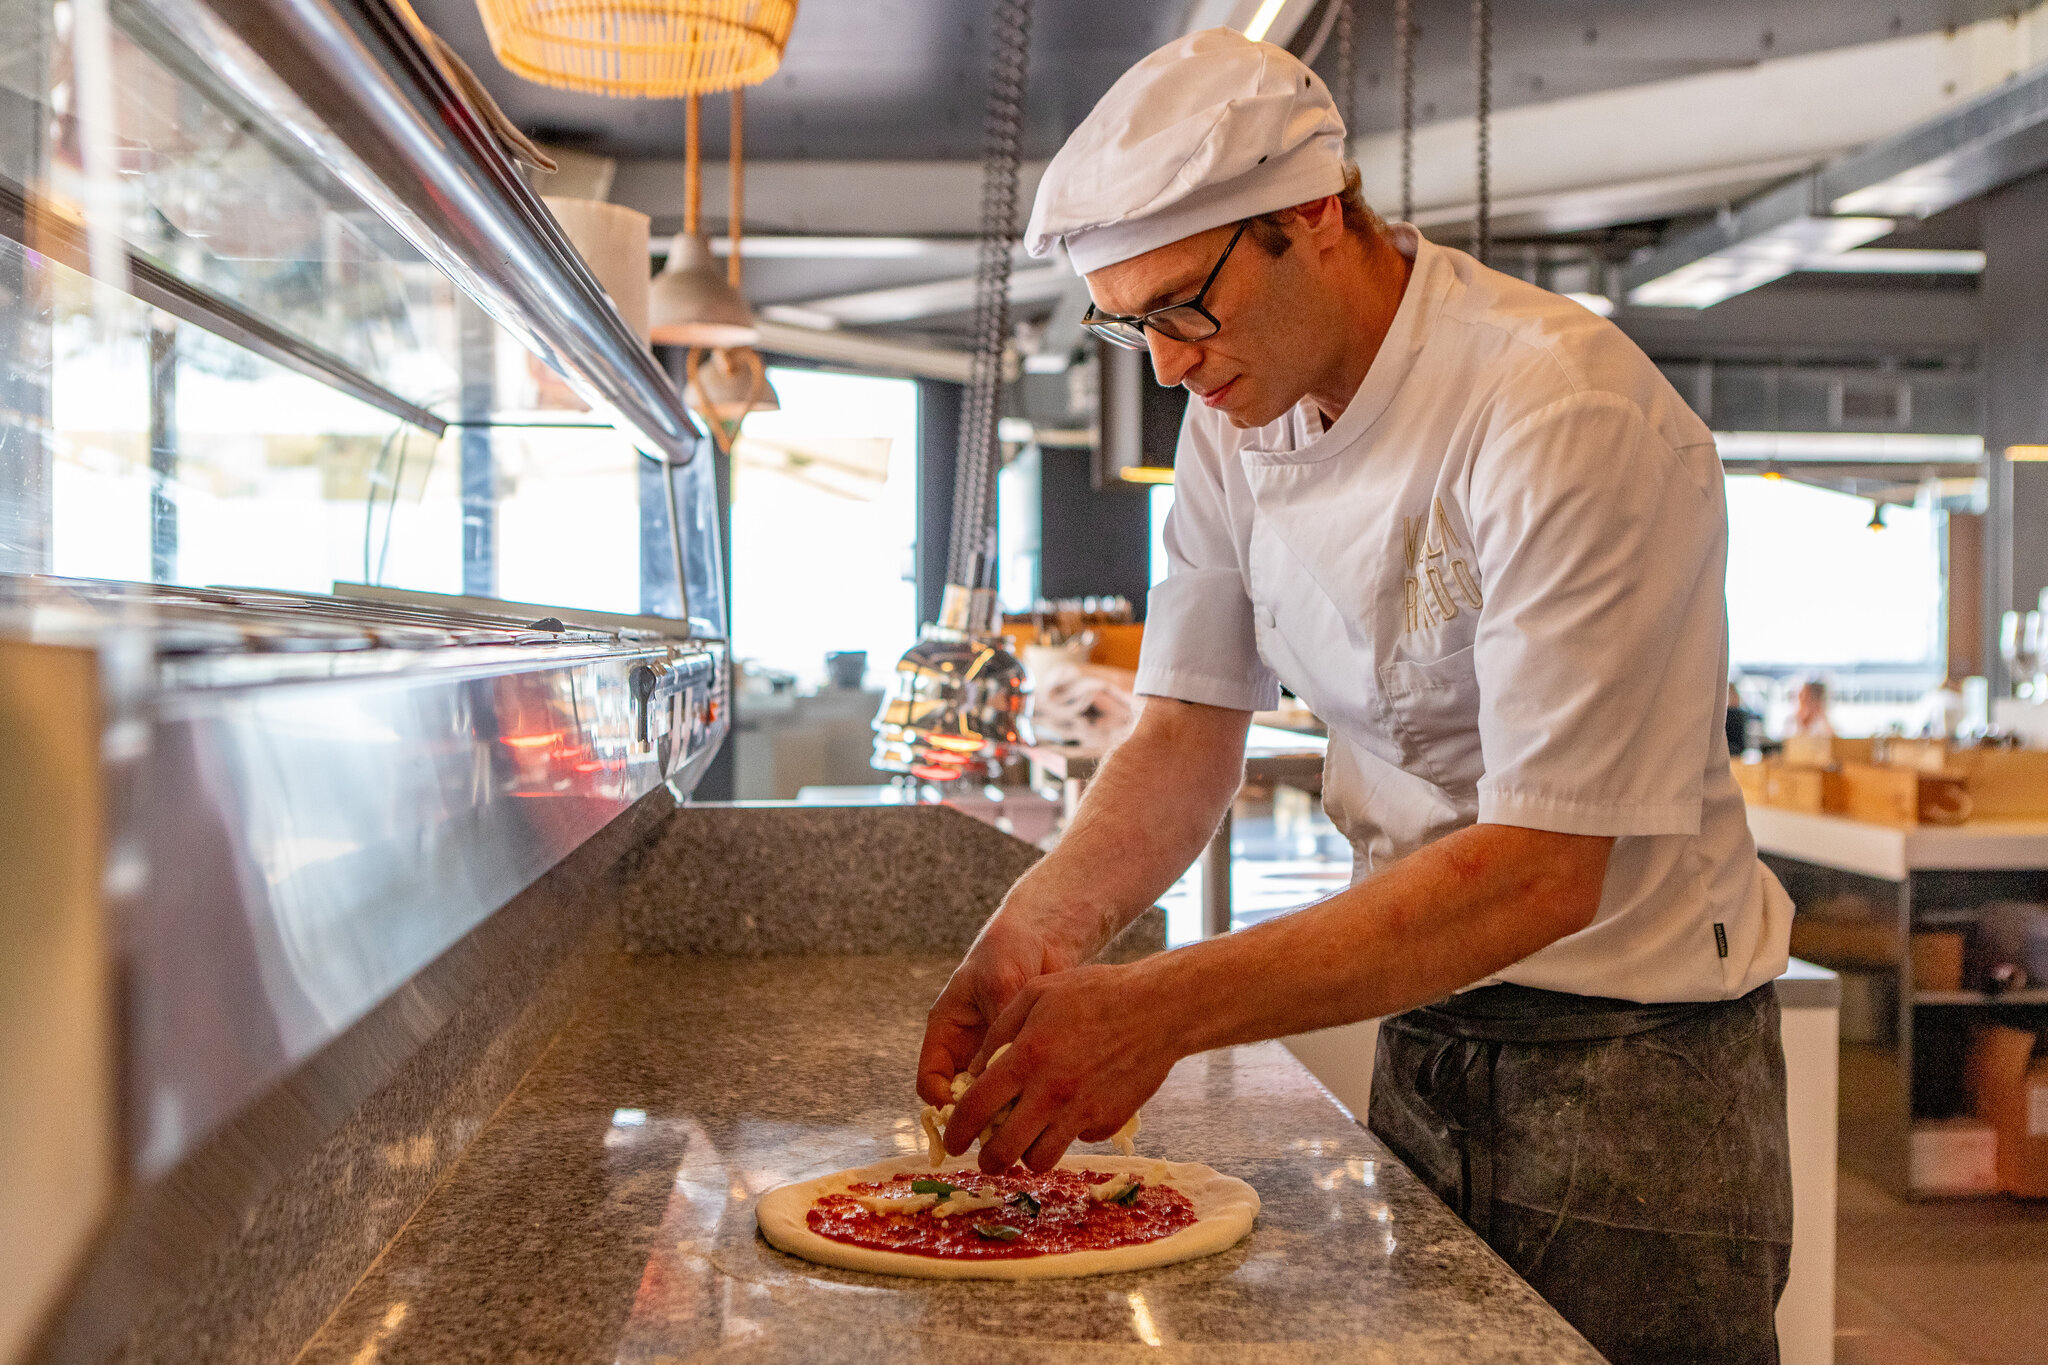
1171,360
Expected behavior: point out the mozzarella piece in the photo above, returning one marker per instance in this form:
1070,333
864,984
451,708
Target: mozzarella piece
934,1123
934,1120
905,1204
1121,1139
962,1201
1112,1187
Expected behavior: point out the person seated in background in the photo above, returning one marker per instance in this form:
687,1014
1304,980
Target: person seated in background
1810,715
1943,711
1739,718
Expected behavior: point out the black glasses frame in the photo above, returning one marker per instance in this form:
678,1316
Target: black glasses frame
1105,325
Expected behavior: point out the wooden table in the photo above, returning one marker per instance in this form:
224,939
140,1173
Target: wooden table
1270,755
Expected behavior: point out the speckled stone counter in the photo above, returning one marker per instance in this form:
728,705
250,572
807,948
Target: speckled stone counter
786,879
607,1211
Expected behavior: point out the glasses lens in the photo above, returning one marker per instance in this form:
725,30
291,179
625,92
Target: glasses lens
1183,323
1124,334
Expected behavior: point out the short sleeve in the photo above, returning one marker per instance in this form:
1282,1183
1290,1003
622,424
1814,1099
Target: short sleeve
1601,641
1200,643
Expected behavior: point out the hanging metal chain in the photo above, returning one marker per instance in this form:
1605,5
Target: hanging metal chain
1404,76
971,552
1345,78
1482,69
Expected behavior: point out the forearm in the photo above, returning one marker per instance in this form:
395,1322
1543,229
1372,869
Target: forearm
1147,814
1442,918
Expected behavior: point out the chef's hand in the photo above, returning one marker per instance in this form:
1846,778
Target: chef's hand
1006,957
1088,1046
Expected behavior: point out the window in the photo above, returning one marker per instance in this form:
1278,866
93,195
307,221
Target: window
1811,585
1162,503
824,524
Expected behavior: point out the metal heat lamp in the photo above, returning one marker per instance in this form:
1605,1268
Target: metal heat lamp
960,701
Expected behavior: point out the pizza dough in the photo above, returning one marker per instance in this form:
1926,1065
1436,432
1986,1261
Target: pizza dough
1224,1210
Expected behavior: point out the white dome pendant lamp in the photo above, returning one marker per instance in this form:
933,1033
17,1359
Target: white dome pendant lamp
691,302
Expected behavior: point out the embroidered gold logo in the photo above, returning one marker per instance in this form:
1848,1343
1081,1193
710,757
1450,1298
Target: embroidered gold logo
1438,578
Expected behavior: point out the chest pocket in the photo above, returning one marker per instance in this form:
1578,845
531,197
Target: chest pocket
1433,710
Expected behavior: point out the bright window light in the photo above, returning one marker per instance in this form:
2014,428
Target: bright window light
824,524
1810,586
1162,503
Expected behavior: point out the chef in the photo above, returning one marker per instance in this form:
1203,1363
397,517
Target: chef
1468,523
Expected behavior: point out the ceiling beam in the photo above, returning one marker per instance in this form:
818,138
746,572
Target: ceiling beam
936,298
1696,142
827,198
858,350
1956,156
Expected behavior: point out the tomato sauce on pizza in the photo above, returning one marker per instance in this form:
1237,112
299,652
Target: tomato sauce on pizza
1033,1215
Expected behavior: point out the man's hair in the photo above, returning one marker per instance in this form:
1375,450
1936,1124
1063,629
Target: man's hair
1271,233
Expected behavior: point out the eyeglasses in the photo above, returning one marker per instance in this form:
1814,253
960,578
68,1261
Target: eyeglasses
1188,321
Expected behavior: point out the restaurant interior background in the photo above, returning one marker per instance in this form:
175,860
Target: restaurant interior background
1825,220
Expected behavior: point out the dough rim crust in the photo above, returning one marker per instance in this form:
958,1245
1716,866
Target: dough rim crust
1224,1207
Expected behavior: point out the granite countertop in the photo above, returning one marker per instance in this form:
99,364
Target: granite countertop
606,1212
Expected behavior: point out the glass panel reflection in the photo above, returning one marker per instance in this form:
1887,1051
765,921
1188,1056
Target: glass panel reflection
138,445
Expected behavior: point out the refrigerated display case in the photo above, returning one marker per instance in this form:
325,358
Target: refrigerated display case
359,571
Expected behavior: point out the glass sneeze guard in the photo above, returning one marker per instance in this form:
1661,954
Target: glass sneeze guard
289,391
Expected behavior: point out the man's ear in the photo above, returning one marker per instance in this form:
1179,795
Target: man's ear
1324,219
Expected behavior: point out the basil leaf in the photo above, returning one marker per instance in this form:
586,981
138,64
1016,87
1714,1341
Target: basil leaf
1023,1200
998,1232
938,1187
1129,1196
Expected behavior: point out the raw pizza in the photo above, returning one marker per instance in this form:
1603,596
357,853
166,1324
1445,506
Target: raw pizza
1089,1215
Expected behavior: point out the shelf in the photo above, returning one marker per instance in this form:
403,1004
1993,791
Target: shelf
2032,996
1892,852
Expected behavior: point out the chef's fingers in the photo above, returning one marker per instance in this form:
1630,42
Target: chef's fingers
1045,1092
936,1068
978,1108
1101,1132
1007,1025
1051,1144
1007,1144
952,1033
998,1036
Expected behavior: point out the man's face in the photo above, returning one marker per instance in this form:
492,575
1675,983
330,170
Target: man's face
1262,360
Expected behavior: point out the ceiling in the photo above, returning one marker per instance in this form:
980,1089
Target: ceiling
906,79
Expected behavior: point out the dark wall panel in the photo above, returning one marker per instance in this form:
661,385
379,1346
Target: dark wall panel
938,455
1094,542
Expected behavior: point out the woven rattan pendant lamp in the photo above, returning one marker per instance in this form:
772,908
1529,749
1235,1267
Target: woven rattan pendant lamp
640,49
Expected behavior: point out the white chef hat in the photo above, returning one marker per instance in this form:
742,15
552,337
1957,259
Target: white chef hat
1209,129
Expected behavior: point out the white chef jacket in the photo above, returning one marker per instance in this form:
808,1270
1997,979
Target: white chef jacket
1498,579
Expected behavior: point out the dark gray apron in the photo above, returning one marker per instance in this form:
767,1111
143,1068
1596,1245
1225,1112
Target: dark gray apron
1629,1161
